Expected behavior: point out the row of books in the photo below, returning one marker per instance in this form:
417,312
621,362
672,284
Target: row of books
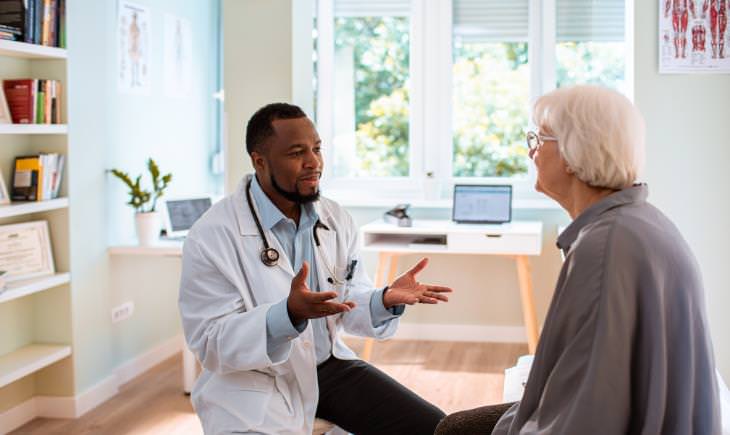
38,177
34,21
32,101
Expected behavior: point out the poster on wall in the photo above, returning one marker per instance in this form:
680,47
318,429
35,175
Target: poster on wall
693,36
178,59
134,48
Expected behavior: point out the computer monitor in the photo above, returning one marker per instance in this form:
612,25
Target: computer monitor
482,203
181,213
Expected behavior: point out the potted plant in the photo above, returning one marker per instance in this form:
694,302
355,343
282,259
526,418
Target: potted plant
146,219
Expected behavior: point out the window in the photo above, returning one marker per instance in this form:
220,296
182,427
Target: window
491,88
417,95
590,45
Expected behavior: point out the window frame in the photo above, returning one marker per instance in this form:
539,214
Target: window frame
430,102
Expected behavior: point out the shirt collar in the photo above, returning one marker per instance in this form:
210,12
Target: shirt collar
634,194
270,215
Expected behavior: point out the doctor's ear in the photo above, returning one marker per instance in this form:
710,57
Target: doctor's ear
258,160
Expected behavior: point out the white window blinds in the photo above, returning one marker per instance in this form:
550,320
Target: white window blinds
373,8
590,20
507,20
491,20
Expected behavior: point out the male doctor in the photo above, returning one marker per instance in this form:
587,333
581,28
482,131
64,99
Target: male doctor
271,276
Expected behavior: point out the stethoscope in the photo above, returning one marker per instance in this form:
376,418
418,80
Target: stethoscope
270,256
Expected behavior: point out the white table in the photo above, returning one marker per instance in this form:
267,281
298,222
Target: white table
517,240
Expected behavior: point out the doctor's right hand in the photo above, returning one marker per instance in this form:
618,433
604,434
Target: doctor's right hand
304,304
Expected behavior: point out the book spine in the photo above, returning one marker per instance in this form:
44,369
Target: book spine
29,20
38,20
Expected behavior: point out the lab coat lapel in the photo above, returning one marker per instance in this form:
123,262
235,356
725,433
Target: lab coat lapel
263,288
326,264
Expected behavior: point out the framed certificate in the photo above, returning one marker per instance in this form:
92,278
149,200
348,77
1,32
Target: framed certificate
25,250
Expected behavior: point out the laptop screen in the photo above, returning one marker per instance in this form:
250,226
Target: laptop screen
482,204
182,213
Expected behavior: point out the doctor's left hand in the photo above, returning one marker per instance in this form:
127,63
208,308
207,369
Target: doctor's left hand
407,290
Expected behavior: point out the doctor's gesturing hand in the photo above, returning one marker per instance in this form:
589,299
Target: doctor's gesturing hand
304,304
407,290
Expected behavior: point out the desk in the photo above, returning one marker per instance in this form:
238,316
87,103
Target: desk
165,248
517,240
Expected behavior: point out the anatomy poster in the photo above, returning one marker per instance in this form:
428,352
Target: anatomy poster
693,36
134,48
178,56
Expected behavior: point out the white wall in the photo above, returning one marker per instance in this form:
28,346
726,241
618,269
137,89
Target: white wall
688,152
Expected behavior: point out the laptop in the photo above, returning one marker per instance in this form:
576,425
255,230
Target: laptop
180,214
482,204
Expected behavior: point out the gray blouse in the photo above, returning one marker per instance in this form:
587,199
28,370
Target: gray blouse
625,348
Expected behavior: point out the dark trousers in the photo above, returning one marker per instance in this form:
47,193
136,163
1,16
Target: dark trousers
477,421
361,399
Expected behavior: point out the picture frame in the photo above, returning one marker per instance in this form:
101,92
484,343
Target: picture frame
4,196
25,251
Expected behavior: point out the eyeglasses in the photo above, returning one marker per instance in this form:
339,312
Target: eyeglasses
535,141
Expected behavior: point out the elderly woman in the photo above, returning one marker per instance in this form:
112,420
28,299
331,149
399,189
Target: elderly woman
625,347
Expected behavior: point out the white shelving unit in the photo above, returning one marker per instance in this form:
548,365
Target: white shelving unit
33,129
45,345
21,208
28,360
30,51
19,289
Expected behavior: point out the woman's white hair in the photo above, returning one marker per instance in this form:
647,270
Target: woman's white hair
600,133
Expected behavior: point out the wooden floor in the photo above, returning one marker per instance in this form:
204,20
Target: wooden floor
454,376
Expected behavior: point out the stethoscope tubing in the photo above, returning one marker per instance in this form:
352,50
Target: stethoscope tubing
270,256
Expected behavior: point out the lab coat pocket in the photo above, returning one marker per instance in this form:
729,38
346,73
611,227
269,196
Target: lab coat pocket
245,396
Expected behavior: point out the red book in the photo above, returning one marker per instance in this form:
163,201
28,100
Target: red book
19,94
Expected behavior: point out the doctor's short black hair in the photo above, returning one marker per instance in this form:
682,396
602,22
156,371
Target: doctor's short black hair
259,127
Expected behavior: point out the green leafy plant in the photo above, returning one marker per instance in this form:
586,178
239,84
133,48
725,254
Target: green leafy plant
138,197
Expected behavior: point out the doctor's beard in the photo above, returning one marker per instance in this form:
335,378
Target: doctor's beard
295,196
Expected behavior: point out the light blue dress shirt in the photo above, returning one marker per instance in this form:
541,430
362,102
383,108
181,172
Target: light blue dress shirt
298,245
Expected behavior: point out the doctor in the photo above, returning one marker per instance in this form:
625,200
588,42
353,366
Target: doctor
271,276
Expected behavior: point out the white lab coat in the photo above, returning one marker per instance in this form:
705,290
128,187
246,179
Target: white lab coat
225,293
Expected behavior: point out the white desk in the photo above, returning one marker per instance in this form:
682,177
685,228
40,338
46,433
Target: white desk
165,248
517,240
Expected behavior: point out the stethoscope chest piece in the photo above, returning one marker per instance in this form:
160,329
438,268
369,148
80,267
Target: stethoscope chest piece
270,257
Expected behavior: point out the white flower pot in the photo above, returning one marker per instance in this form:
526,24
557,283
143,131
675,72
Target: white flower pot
148,227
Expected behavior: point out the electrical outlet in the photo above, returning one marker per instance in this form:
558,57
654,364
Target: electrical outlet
122,312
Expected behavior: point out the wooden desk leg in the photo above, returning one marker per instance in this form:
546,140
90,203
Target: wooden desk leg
524,274
383,258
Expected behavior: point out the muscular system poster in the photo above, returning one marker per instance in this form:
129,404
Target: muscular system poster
693,36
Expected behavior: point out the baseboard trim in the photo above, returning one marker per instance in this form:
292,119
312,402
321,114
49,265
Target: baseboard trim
76,406
461,333
135,367
17,416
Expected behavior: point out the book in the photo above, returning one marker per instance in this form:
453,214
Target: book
29,22
12,18
38,177
26,178
20,97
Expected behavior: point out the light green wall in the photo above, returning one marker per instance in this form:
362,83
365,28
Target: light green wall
109,129
688,131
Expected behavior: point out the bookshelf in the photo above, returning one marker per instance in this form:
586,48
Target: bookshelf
33,129
30,51
35,314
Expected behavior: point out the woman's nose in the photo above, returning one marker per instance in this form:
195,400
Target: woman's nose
531,153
